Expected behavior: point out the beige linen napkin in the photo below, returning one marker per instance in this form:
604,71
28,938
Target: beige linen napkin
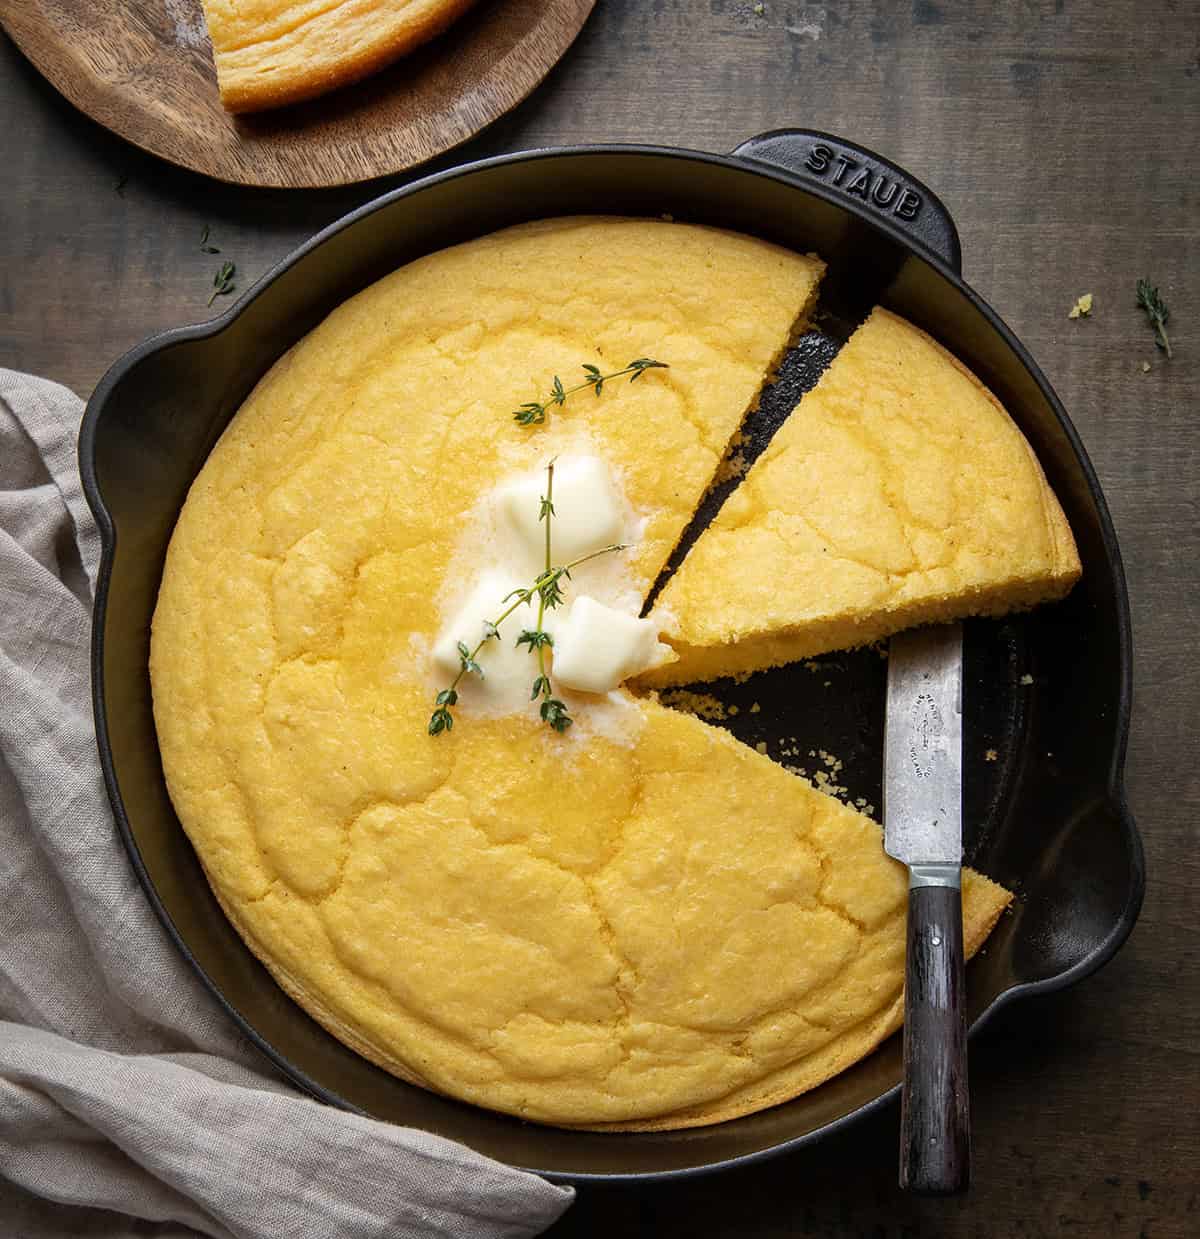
129,1103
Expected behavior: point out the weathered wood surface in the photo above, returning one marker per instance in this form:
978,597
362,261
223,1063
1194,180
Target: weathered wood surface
1065,139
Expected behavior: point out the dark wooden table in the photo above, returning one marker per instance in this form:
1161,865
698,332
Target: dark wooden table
1065,137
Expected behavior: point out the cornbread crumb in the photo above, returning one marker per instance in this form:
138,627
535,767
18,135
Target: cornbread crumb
1145,367
755,708
761,746
733,466
703,705
1082,307
991,755
1026,680
826,784
734,463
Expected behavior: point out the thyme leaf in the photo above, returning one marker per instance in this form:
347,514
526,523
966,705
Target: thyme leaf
1157,312
533,412
223,281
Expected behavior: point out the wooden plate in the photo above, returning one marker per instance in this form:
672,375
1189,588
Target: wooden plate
143,68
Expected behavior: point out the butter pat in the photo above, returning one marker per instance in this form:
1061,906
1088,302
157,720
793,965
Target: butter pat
507,670
587,510
595,647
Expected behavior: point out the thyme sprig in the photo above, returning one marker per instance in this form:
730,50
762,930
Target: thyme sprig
547,588
223,281
1157,312
553,711
533,412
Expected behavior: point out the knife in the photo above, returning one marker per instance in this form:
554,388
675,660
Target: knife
922,814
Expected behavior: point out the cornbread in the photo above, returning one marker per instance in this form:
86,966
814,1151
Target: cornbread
272,52
651,927
898,493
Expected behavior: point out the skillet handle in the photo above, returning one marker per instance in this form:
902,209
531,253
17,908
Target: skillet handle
873,185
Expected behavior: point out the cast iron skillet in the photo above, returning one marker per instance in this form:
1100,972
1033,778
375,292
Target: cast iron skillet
1049,693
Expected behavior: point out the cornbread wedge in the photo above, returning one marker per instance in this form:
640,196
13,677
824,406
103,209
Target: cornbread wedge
898,493
272,52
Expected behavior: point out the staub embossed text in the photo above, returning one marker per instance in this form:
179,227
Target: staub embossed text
856,177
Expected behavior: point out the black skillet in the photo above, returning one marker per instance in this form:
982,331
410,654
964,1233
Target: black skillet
1048,694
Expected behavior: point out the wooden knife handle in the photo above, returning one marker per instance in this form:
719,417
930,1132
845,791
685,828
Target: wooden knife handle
935,1112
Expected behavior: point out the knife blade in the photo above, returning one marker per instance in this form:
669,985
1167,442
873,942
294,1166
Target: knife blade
922,813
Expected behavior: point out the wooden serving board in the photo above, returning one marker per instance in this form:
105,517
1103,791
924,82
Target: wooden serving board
144,69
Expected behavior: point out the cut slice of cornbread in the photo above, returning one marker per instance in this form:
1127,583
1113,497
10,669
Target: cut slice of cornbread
898,493
272,52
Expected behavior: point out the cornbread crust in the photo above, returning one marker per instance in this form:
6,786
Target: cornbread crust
898,493
274,52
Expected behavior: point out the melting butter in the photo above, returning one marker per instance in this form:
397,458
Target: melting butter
598,639
507,672
587,509
597,647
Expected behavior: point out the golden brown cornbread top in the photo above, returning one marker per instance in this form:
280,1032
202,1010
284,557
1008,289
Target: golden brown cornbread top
899,491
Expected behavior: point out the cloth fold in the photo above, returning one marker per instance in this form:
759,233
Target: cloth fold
123,1086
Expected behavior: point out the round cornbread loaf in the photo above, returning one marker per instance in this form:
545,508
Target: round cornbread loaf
647,927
